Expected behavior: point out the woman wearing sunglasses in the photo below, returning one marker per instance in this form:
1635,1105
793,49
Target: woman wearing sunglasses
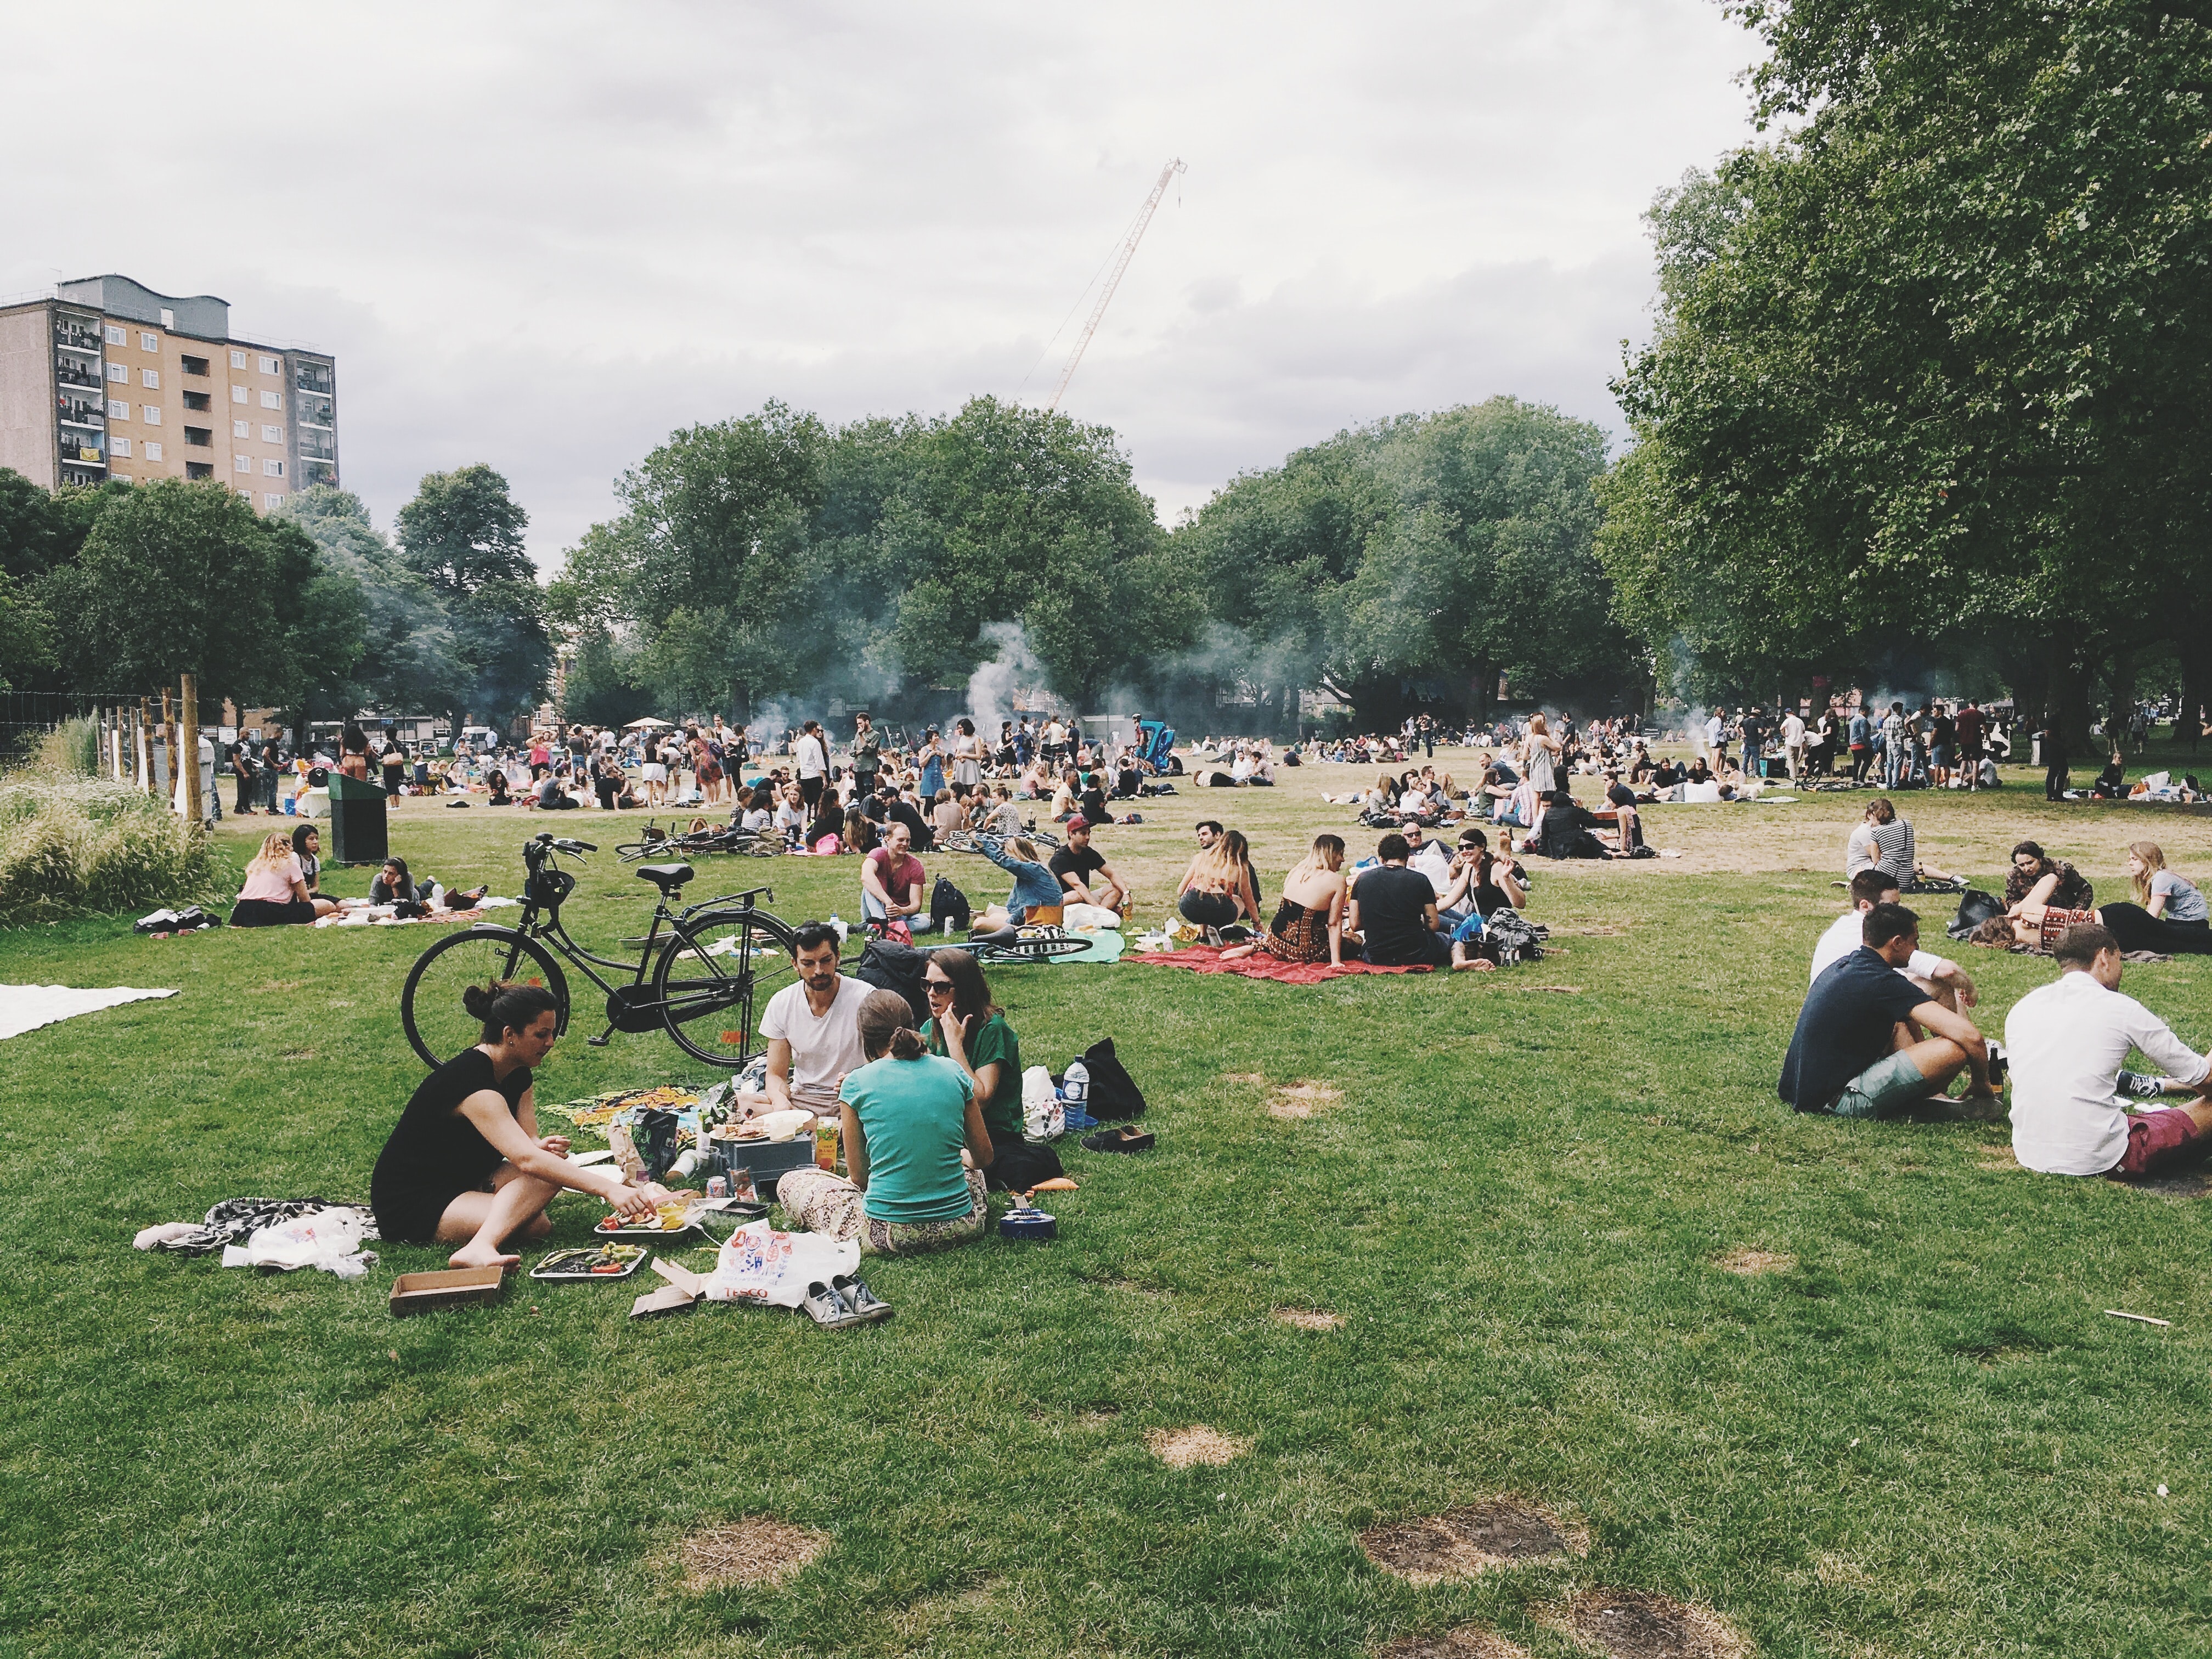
966,1027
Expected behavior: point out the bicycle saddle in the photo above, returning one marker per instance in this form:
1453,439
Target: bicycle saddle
666,877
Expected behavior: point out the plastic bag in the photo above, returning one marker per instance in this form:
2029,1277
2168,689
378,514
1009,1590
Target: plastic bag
1043,1118
329,1239
760,1265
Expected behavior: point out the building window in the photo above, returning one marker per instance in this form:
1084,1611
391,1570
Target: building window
237,359
241,429
242,463
198,470
195,365
238,394
198,400
272,501
199,437
152,450
150,378
248,495
118,410
117,374
151,413
114,335
148,342
268,365
120,447
272,469
272,434
272,400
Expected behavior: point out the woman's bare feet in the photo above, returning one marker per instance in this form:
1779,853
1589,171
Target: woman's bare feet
476,1254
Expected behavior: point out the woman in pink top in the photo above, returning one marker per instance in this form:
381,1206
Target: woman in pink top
276,889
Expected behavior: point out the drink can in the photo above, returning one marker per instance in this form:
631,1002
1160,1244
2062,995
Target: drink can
717,1187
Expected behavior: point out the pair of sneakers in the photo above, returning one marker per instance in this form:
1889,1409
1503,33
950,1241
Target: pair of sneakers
844,1300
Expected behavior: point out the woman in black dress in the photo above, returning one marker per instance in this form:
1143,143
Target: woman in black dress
466,1164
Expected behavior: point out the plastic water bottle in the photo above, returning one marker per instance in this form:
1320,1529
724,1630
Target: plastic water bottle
839,927
1075,1084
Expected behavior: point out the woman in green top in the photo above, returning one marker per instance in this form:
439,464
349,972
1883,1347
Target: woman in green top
967,1028
916,1147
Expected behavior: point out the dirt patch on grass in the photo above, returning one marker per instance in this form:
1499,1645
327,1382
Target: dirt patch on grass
1468,1642
1595,930
2188,1183
1996,1157
758,1550
1310,1319
1557,990
1626,1623
1751,1262
1462,1542
1302,1099
1180,1449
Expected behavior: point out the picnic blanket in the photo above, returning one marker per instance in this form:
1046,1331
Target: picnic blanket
27,1007
1207,959
381,915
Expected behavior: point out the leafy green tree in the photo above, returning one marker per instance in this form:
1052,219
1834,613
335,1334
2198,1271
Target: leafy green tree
462,535
409,661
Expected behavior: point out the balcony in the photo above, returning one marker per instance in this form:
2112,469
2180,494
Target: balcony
69,373
80,415
198,470
314,471
315,377
198,400
200,436
196,365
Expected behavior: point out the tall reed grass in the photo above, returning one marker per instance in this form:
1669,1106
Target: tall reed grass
74,846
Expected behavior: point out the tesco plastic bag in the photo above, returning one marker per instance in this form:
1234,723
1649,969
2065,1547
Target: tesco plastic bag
1043,1117
760,1265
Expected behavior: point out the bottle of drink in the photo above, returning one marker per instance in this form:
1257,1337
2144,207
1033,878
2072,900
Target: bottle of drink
1075,1084
825,1144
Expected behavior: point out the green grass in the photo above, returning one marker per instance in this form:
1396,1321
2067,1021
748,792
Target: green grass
1924,1437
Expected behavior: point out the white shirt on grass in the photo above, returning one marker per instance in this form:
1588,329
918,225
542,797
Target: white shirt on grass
823,1049
1847,932
2066,1041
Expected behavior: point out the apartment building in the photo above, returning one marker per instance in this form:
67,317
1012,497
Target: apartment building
108,380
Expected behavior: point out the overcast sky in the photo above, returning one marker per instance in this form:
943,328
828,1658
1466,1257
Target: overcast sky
544,235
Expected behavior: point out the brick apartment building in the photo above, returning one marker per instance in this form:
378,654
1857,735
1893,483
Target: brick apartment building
108,379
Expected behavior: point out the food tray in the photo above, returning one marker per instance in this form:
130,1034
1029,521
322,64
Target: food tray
646,1235
451,1287
562,1276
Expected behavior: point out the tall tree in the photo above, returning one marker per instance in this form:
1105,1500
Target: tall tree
410,661
463,534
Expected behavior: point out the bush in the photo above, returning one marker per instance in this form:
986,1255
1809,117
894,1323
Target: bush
71,749
77,847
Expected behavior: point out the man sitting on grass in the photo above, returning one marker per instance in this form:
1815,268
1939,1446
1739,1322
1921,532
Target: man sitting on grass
2066,1041
811,1024
892,879
1083,873
1393,912
1861,1048
1944,980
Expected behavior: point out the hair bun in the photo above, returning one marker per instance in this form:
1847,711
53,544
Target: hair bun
906,1043
477,1000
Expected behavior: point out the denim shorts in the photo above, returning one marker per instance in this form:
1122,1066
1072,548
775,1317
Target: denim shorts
1889,1086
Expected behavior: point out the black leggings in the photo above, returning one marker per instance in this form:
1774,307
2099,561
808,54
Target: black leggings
269,913
2136,929
1207,909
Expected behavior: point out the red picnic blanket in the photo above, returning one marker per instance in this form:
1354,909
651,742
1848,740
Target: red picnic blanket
1207,959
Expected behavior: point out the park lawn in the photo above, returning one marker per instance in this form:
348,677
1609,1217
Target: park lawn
1917,1433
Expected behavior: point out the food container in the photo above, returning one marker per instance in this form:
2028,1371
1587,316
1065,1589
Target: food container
1026,1222
768,1159
643,1235
450,1287
550,1273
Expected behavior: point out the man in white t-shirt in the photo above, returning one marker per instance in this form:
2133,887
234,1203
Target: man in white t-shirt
2067,1041
1944,982
1793,744
812,1029
812,758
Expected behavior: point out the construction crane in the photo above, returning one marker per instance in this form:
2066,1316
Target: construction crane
1128,253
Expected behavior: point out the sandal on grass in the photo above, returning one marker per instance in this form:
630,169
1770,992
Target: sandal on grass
1120,1139
863,1303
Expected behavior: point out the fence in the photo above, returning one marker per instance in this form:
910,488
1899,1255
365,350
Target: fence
141,740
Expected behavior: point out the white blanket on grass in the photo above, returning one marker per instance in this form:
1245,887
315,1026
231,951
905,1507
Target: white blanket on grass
27,1007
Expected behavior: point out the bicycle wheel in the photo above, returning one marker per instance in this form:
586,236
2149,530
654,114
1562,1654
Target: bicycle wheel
715,978
430,1010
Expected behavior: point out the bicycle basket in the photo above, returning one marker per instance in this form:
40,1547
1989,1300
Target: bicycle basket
546,887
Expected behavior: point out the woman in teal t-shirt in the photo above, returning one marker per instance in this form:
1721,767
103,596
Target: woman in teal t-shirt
985,1047
908,1115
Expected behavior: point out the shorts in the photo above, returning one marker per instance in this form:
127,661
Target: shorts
412,1215
1429,951
1889,1086
270,913
1939,755
2156,1140
1207,909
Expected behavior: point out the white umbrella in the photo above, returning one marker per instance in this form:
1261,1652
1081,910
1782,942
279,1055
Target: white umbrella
648,721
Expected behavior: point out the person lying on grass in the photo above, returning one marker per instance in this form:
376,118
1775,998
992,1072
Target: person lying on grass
916,1147
1309,924
394,886
1862,1046
1942,980
466,1164
274,891
2170,919
2067,1041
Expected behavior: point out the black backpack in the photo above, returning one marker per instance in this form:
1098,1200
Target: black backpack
1975,908
890,966
1513,937
1114,1092
949,909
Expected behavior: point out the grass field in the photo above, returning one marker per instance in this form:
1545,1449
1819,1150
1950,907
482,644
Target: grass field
1911,1430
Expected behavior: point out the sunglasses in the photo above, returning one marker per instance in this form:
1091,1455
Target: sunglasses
938,986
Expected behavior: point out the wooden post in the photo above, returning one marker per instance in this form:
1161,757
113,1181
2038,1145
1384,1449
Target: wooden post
188,740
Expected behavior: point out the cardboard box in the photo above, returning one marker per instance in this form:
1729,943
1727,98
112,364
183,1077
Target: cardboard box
452,1287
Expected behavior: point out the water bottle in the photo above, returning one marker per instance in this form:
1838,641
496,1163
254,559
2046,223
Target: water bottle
839,927
1075,1084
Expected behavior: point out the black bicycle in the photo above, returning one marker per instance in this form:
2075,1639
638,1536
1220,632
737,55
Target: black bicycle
702,973
704,837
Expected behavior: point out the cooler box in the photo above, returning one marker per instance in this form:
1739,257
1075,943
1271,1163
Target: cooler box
358,835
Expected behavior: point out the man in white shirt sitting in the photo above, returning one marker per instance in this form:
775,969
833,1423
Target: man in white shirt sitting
2067,1041
1944,982
812,1028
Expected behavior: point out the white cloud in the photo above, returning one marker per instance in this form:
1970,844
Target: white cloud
542,236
